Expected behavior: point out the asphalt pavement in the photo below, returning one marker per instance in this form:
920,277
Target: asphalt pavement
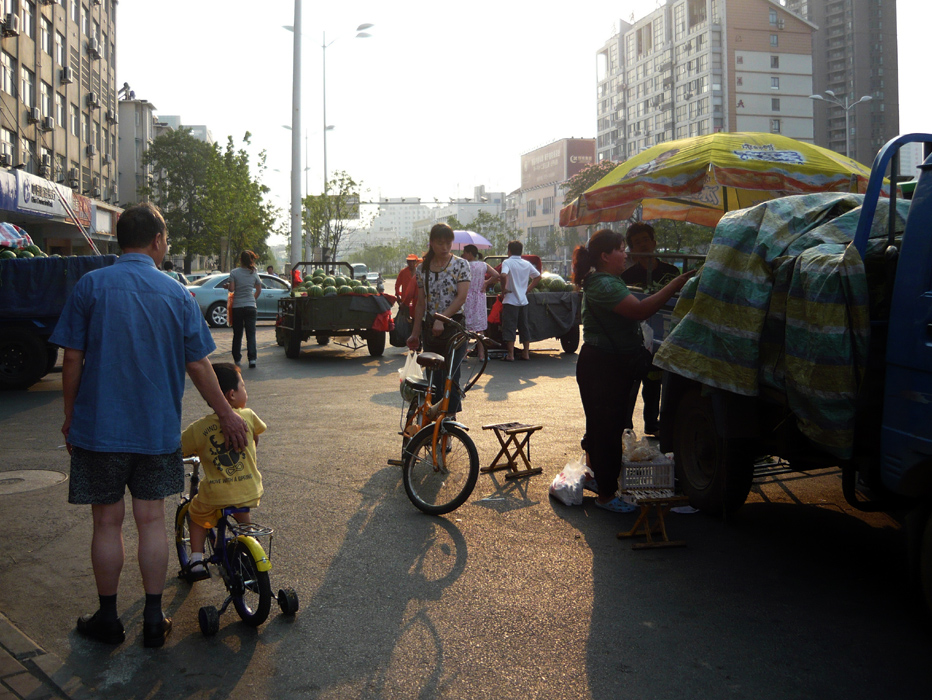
511,596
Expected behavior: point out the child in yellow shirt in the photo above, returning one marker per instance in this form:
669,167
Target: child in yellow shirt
230,478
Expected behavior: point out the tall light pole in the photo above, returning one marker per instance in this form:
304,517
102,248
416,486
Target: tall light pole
296,140
847,106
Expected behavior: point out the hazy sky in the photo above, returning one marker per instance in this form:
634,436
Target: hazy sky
442,97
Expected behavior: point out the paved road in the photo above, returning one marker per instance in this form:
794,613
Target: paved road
511,596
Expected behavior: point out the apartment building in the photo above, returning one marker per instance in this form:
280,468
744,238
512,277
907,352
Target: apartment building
694,67
854,53
58,120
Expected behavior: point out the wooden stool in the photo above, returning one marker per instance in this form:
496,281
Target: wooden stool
661,501
510,457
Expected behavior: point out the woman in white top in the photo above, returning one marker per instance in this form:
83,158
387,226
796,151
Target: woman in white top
483,277
246,287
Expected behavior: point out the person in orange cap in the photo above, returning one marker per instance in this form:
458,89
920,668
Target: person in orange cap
406,286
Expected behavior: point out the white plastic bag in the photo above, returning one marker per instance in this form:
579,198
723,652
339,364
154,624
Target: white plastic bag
410,370
635,450
648,334
567,486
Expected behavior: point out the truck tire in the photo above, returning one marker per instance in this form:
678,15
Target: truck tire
22,359
376,342
292,345
570,340
713,472
217,314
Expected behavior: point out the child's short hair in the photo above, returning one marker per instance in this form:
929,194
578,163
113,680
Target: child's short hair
228,376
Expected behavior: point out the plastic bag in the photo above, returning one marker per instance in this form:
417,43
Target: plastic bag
567,486
229,308
398,337
635,450
411,370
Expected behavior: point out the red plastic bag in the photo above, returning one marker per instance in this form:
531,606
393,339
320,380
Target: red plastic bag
383,322
495,314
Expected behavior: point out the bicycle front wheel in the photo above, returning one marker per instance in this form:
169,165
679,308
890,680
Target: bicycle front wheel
249,587
442,486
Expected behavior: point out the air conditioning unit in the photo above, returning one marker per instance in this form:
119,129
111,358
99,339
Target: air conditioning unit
48,124
11,25
93,48
107,159
95,193
111,116
49,2
73,174
92,100
6,160
73,183
44,171
34,115
67,76
46,161
91,150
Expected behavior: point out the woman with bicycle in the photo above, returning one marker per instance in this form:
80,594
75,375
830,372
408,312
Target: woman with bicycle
612,349
443,285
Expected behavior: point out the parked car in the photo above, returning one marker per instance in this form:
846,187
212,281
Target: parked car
211,296
375,279
195,276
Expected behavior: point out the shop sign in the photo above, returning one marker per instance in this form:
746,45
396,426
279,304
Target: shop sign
36,195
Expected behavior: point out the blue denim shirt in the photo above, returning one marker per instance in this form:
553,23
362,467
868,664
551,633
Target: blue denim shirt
138,328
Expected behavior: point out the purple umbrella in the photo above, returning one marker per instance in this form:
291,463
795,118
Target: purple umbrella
464,238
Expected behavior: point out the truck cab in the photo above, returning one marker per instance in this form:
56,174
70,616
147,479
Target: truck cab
360,270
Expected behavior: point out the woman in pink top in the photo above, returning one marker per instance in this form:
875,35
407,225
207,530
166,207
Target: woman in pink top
483,277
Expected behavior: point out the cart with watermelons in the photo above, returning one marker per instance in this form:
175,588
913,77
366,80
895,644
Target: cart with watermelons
326,304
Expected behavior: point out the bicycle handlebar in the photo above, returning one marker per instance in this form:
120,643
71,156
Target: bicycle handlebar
478,336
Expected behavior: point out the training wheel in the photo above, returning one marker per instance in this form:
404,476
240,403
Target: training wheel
209,620
288,601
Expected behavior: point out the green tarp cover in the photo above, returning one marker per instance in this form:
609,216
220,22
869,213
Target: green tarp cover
782,302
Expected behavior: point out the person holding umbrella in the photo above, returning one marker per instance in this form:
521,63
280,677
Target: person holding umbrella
483,277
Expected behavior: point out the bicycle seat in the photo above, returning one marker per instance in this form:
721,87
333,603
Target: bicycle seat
430,360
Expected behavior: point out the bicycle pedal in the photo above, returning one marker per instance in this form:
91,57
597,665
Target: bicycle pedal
395,463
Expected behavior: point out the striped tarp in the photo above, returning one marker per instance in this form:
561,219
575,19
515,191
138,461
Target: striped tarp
782,302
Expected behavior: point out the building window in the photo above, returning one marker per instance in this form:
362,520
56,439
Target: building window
29,19
774,40
774,61
45,160
28,95
547,205
532,207
85,21
75,121
7,142
59,168
773,18
7,80
85,128
29,155
45,35
74,10
60,109
774,104
45,98
774,126
60,48
774,83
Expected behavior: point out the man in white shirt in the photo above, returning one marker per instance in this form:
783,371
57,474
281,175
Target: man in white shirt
518,278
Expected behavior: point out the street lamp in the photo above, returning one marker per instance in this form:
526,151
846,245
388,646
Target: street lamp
847,106
296,139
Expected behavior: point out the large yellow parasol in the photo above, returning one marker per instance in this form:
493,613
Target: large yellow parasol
698,179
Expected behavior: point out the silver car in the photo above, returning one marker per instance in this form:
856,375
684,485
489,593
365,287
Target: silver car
211,296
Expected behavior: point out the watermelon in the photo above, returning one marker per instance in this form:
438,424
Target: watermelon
345,289
24,254
330,291
316,291
6,254
329,281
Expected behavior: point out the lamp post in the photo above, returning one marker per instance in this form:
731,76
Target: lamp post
296,140
847,106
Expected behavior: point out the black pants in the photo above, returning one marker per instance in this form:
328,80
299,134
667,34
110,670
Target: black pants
650,388
605,382
244,317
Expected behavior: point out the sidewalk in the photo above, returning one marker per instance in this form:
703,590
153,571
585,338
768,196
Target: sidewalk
27,671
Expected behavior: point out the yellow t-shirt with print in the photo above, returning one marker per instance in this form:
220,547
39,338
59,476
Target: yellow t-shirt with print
229,477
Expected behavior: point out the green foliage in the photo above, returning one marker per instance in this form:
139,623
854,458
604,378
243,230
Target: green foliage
326,216
586,178
681,237
211,202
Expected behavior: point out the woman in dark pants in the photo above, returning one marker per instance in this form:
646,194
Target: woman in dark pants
246,287
612,342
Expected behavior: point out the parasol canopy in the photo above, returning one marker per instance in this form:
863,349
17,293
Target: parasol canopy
700,178
464,238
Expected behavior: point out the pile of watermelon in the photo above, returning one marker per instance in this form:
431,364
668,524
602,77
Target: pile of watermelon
321,284
549,282
29,251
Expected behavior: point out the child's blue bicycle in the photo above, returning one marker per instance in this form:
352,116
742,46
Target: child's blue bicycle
233,548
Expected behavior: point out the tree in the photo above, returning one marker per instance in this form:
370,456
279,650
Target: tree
326,217
586,178
492,227
681,236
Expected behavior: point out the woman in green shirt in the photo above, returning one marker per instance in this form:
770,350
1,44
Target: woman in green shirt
612,342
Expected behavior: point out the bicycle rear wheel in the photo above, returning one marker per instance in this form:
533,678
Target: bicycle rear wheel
249,587
441,488
183,537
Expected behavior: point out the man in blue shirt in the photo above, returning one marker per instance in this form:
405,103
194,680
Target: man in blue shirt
130,332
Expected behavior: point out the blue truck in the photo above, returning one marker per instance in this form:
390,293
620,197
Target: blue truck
32,295
718,434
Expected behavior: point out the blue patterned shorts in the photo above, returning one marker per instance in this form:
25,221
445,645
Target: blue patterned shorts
101,478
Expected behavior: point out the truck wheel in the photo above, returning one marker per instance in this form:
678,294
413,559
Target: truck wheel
376,342
714,472
280,336
570,340
22,359
217,314
292,345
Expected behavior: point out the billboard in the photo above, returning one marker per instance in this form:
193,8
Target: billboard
36,195
556,162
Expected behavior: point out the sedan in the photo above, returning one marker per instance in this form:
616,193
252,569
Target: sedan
211,296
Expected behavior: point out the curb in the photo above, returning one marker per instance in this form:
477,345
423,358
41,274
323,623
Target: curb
28,671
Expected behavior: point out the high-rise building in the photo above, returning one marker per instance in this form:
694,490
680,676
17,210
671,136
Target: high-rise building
58,120
694,67
854,54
